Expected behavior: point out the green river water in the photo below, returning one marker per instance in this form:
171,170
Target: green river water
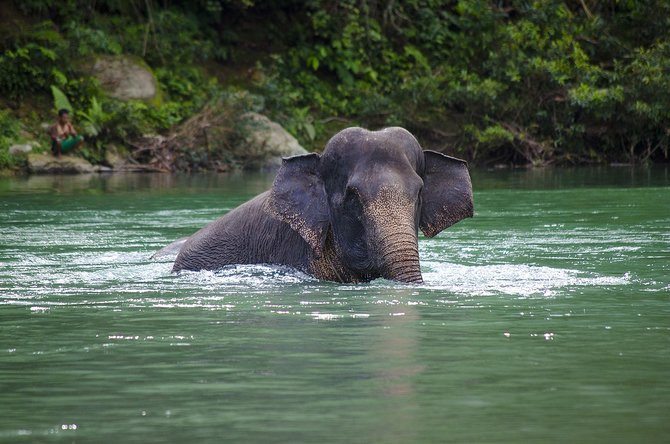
545,318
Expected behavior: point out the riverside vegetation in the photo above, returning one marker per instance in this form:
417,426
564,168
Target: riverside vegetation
511,82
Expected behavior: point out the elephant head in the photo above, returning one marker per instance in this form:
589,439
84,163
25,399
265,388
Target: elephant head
365,198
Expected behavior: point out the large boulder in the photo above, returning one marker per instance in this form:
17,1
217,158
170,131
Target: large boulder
219,138
265,142
126,78
20,149
48,164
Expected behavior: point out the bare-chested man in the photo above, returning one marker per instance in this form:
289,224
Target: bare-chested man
64,138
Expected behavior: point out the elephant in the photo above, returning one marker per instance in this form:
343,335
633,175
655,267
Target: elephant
350,214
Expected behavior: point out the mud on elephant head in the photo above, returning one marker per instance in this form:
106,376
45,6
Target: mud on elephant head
350,214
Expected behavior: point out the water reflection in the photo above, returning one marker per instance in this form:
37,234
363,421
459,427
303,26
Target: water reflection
567,178
392,352
233,182
483,179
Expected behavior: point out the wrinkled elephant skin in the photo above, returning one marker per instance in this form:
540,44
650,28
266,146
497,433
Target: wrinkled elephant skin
351,214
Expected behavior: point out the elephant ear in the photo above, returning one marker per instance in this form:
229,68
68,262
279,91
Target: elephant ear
298,198
447,193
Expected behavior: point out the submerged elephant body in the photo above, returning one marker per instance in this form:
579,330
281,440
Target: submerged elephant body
351,214
249,235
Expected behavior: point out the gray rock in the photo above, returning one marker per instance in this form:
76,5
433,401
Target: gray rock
125,78
16,150
265,142
248,141
114,159
48,164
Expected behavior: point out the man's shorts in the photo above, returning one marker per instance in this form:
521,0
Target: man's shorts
67,144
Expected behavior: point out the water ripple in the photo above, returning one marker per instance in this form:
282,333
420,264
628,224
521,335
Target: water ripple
132,279
516,280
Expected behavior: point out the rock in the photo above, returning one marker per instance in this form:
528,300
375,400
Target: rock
265,142
126,78
115,162
17,150
48,164
220,137
114,159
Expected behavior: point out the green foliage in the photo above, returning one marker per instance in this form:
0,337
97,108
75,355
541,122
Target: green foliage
60,99
302,124
524,82
49,59
31,61
94,119
9,134
168,38
25,70
187,87
92,41
79,89
531,82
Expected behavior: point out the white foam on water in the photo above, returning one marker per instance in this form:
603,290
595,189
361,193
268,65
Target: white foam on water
512,279
131,279
247,277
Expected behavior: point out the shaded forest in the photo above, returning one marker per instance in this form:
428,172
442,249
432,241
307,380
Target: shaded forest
494,82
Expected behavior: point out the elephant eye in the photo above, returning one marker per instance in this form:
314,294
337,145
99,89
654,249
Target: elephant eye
351,191
352,202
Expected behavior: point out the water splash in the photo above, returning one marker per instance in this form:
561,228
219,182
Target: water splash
511,279
130,280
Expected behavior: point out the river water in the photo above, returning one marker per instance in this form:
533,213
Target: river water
545,318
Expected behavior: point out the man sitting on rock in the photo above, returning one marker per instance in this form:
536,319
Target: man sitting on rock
63,136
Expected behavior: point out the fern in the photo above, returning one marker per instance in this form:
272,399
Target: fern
94,118
60,99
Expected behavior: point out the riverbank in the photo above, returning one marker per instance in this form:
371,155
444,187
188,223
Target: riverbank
220,137
493,86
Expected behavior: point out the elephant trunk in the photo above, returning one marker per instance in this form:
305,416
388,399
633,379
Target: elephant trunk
400,258
393,218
